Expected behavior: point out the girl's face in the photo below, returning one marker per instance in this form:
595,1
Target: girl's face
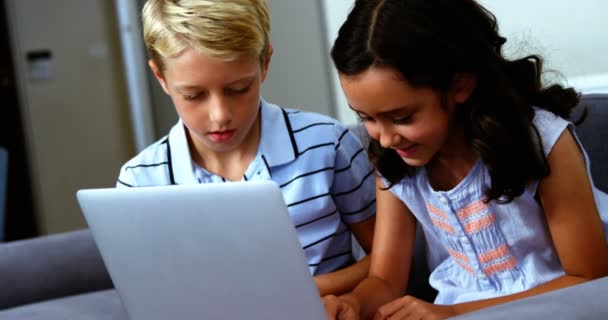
218,101
415,122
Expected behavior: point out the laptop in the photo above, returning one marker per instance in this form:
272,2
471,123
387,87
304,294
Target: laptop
209,251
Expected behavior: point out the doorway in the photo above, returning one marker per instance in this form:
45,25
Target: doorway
19,209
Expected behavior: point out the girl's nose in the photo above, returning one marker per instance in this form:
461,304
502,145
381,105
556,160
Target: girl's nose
389,138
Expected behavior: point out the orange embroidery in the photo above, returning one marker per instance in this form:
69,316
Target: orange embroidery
441,221
471,209
458,255
499,253
508,264
464,266
436,211
443,225
479,224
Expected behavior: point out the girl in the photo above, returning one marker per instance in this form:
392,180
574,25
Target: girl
474,148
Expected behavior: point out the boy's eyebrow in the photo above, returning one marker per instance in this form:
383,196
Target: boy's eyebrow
195,87
244,79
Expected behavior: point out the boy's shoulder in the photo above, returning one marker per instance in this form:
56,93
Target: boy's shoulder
148,168
300,113
152,154
300,119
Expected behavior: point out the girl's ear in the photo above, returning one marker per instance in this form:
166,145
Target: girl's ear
463,86
158,74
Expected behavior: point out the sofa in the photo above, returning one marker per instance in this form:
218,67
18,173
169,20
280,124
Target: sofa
63,276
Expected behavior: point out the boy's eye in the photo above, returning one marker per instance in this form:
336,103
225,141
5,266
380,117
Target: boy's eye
190,98
237,90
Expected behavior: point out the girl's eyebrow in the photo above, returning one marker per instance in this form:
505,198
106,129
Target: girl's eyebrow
389,112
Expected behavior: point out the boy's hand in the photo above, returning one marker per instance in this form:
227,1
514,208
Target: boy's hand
340,309
408,307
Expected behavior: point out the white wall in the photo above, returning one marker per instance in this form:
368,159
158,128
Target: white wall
572,36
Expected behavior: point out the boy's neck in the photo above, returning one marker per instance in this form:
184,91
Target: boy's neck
233,164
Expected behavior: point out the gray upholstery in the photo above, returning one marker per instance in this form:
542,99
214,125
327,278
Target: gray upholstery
583,301
593,133
98,305
3,181
50,267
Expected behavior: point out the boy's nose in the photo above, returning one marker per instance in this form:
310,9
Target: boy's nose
220,112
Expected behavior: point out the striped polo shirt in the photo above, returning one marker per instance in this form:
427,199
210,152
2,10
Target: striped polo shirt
322,170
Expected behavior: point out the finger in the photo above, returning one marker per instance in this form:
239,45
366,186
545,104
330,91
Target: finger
405,314
348,313
332,306
386,310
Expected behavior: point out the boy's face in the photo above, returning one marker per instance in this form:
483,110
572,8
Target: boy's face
218,101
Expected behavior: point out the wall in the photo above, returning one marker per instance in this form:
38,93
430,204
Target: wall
75,111
299,73
570,35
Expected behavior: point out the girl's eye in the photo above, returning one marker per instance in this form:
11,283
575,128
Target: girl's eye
363,118
190,98
402,120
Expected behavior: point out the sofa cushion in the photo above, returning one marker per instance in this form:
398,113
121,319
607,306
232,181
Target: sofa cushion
99,305
49,267
593,133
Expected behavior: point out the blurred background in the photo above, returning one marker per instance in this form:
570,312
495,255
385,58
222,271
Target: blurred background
77,99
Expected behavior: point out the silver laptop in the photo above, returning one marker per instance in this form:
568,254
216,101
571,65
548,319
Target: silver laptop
209,251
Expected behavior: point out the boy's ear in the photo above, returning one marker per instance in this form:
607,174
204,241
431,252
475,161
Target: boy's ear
463,86
158,74
266,64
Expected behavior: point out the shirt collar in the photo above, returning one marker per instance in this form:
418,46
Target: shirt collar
276,140
276,144
180,160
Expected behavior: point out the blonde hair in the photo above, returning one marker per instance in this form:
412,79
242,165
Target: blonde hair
222,29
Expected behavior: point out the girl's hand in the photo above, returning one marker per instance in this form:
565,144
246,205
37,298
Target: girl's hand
340,309
408,307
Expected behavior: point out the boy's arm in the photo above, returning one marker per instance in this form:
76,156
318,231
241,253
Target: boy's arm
346,279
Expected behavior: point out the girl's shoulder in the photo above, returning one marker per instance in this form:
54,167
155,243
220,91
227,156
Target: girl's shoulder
549,127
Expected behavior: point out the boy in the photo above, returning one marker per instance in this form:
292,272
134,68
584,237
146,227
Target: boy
211,58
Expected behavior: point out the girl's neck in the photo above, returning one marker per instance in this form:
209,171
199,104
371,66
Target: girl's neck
451,164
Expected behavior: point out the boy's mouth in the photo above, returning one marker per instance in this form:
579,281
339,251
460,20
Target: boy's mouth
221,136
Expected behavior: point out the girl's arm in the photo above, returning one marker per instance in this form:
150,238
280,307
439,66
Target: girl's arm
390,259
346,279
576,229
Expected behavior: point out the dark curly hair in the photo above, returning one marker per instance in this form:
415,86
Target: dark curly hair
429,42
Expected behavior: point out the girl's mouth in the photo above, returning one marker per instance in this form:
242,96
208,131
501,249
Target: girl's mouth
407,152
